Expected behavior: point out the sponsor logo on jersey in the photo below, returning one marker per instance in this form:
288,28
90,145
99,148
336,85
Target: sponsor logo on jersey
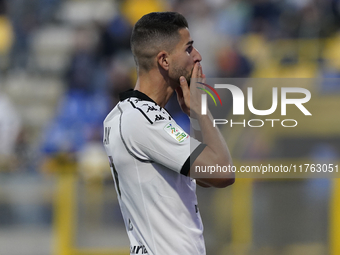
159,117
138,249
150,108
175,132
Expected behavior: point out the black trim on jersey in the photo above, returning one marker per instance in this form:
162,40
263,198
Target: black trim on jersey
134,93
121,137
139,109
186,166
140,95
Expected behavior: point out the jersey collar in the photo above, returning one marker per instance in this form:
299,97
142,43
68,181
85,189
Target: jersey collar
134,93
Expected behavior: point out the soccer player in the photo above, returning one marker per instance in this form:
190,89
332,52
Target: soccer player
150,155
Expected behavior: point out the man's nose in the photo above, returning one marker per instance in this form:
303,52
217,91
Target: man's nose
197,57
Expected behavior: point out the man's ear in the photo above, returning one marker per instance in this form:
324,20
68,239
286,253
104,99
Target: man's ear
163,60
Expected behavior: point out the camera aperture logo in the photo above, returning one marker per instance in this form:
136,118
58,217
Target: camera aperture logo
207,91
239,105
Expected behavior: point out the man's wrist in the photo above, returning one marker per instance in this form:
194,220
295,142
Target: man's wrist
195,124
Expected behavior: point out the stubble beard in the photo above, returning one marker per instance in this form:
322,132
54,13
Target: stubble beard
178,72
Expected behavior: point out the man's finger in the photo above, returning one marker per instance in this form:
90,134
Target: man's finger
183,82
203,78
184,86
199,70
195,70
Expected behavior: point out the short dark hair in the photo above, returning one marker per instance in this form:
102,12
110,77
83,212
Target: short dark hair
154,32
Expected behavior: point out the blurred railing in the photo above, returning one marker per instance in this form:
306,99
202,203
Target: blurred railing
65,211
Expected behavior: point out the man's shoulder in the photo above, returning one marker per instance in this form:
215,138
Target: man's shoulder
137,110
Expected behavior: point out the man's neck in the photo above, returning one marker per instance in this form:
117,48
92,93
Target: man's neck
155,86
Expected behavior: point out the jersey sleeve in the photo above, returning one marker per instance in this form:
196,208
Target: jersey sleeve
163,142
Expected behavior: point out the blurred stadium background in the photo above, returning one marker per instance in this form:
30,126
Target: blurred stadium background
62,65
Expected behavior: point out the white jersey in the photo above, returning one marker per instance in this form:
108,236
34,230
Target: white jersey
150,160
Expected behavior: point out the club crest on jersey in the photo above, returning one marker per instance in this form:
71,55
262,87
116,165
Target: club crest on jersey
175,132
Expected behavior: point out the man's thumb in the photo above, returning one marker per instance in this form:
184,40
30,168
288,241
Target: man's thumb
184,84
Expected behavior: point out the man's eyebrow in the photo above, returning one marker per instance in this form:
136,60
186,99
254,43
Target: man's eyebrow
190,42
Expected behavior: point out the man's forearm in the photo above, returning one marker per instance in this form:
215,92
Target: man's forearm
212,137
216,152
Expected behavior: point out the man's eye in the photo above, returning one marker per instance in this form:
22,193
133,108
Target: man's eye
189,49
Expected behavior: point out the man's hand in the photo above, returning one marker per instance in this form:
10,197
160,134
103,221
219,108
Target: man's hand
183,92
216,150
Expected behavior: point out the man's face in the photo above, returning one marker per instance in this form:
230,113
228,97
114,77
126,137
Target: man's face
183,57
